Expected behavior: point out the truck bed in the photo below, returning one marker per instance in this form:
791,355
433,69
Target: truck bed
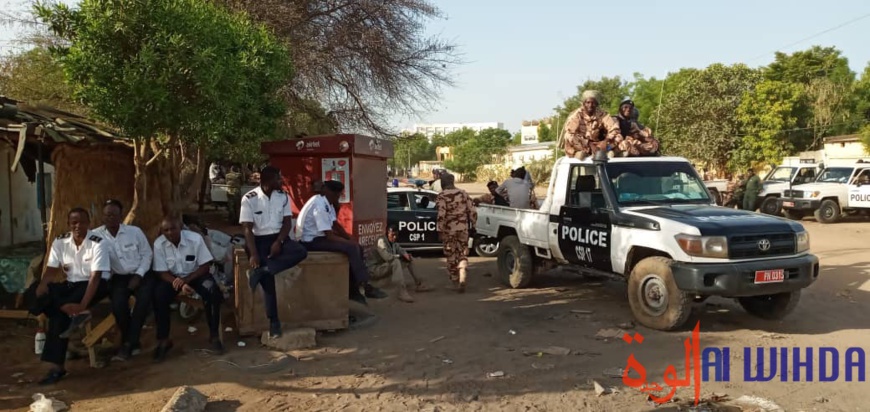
526,223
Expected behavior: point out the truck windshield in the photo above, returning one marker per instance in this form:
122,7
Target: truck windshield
782,174
835,175
656,183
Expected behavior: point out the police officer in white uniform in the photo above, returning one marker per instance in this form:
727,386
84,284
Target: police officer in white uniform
266,216
181,263
320,232
82,257
131,260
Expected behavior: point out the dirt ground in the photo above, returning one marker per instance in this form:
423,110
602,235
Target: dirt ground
435,354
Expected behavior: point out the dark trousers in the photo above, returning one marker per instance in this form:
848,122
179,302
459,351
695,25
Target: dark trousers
291,254
129,324
358,272
205,287
60,294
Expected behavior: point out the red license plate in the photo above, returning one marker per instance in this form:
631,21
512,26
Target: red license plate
770,276
787,204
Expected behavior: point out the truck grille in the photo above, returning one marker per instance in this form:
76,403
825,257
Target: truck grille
747,246
793,193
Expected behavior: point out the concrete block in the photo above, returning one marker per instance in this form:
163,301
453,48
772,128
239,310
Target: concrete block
293,339
186,399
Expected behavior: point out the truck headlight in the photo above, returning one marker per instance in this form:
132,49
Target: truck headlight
802,242
813,195
703,246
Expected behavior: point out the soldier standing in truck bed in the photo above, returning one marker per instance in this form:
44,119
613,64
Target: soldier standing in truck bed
456,218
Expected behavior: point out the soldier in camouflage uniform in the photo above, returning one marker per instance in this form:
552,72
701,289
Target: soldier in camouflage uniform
637,138
589,129
456,218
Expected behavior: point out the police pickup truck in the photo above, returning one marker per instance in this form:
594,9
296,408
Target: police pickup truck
652,220
838,191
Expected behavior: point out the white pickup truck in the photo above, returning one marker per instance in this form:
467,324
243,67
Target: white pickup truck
652,220
838,191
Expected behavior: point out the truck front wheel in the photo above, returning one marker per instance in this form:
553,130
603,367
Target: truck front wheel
654,297
516,264
771,307
828,212
770,206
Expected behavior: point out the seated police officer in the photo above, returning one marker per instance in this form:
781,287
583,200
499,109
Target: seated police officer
182,262
130,256
267,219
82,256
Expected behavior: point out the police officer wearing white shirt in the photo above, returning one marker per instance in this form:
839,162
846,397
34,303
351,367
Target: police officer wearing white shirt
266,216
320,232
82,257
130,255
181,263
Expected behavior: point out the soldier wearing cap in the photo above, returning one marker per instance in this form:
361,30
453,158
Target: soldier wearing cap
81,255
456,218
589,129
637,138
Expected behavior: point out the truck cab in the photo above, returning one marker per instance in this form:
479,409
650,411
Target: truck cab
652,221
779,180
838,191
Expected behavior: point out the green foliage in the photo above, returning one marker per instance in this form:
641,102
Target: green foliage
546,133
35,77
410,150
765,115
187,69
861,97
865,138
475,149
806,65
700,117
517,138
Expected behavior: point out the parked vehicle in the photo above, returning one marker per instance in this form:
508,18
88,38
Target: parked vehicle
838,191
652,221
413,212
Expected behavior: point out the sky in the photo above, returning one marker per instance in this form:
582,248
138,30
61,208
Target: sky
523,58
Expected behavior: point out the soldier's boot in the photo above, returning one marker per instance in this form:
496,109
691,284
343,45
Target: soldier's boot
404,296
462,275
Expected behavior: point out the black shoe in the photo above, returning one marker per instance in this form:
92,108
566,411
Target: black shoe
124,354
77,322
375,293
135,349
255,275
53,376
358,297
161,352
217,347
275,330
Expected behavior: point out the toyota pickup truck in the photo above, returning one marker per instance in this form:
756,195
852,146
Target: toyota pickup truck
652,221
838,191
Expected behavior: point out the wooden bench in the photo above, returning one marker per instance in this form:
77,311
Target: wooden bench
313,294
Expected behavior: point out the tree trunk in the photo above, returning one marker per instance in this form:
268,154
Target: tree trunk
140,179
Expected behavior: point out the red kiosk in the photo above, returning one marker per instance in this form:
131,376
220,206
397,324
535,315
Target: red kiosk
360,162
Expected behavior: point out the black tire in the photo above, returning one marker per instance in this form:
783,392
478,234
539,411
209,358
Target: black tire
486,246
828,212
652,280
770,206
516,265
771,307
794,214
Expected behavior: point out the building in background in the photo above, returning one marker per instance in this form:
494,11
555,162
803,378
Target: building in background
525,153
432,129
531,131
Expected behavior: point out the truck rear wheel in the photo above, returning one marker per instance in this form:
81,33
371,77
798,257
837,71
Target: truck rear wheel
770,206
828,212
654,297
516,264
771,307
486,246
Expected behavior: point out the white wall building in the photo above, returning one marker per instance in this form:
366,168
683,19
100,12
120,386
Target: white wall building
530,134
432,129
525,153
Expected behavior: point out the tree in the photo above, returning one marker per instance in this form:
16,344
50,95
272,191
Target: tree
830,106
454,138
517,138
698,120
766,115
865,138
861,97
646,94
612,89
410,150
478,150
363,60
806,65
177,76
35,77
546,133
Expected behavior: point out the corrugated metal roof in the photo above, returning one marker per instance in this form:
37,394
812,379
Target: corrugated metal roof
58,125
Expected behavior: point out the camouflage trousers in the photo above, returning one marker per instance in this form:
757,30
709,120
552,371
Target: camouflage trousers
456,252
581,148
632,146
